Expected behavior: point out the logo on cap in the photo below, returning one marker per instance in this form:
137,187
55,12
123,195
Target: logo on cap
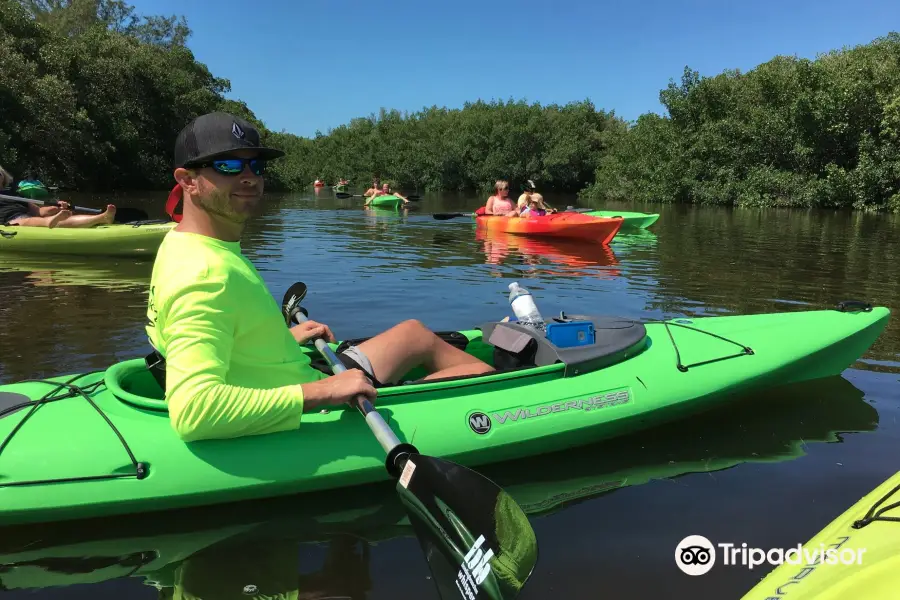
237,131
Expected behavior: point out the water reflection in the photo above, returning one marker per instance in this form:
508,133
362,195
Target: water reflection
549,256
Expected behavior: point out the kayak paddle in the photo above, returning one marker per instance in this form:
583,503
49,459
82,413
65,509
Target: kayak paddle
123,215
477,540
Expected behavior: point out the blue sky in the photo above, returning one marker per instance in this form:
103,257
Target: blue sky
303,66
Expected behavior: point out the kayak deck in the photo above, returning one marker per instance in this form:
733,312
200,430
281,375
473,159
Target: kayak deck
631,220
570,225
392,201
102,442
871,563
126,239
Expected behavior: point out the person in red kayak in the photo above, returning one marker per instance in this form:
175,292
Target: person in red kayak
231,366
530,196
28,214
500,204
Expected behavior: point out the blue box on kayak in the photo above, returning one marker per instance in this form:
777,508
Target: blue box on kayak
570,333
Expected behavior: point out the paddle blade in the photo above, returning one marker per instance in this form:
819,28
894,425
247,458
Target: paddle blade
476,538
290,304
445,216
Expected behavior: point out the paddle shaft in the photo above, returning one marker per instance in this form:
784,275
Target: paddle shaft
94,211
383,433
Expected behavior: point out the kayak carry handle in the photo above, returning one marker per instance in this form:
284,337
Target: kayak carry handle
850,305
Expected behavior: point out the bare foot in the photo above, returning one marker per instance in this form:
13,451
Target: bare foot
60,216
110,214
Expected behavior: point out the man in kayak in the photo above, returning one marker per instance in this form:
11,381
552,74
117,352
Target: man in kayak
232,367
385,191
28,214
499,204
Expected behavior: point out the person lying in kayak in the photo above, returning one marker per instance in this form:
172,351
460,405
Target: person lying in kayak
385,191
500,204
232,367
28,214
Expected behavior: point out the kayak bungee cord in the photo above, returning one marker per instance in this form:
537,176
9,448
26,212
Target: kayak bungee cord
74,391
876,515
746,350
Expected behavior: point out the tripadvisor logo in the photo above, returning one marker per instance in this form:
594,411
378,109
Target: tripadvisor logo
696,555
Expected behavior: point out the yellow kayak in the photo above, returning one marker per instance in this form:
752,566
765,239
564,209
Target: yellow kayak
861,555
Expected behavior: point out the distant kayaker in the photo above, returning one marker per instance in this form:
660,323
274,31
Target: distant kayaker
499,204
529,195
28,214
385,191
232,366
532,209
376,186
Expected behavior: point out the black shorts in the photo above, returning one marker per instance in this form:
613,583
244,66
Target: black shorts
322,365
12,210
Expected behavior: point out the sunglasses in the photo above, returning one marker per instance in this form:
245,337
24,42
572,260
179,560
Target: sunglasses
235,166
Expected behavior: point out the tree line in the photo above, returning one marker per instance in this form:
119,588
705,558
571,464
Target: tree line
92,96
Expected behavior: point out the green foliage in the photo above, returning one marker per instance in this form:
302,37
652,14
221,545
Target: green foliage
792,132
93,95
88,106
468,148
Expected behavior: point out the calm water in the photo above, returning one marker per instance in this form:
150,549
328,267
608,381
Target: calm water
770,470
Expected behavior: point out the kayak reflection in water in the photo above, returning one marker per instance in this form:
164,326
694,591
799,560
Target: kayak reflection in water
385,191
27,214
270,570
232,367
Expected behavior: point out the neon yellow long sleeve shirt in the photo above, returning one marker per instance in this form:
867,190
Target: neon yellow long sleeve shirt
233,367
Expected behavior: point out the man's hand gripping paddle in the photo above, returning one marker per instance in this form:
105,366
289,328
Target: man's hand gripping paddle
476,538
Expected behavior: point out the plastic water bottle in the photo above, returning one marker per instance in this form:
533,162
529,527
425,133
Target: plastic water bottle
523,305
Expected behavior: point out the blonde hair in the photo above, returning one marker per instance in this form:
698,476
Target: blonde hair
501,183
5,178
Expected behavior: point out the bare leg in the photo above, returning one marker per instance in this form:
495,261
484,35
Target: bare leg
50,222
411,344
88,220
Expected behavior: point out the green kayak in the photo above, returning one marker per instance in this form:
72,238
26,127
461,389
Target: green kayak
130,239
777,427
386,201
101,443
632,220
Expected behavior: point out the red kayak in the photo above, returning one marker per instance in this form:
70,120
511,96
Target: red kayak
561,225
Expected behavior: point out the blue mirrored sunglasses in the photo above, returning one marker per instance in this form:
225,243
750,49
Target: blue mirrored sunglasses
235,166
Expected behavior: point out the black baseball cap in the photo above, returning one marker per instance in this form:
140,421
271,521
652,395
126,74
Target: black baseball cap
215,134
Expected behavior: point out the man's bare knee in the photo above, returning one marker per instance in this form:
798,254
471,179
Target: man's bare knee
414,326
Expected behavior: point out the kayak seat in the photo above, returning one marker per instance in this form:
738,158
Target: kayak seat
521,346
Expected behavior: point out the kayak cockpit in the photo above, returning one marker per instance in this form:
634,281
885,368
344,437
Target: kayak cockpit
131,382
515,350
